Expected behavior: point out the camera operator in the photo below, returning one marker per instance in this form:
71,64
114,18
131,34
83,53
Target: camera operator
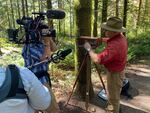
38,47
36,52
113,57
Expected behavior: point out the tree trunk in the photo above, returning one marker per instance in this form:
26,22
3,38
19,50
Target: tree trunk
95,18
33,5
12,14
26,3
146,14
64,24
83,22
70,19
8,14
49,6
73,19
23,8
125,13
104,13
59,21
139,13
39,5
42,2
117,8
138,18
18,8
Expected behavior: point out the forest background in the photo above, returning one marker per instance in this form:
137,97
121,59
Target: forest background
135,15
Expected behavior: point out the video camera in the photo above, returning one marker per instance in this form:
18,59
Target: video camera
35,29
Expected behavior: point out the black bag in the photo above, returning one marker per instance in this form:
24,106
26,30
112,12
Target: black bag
124,91
12,87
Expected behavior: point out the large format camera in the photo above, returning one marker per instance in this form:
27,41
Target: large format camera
34,28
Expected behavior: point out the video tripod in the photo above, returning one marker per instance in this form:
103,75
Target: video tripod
88,83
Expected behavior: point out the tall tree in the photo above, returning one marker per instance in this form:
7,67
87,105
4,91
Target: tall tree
18,8
59,21
83,22
139,15
49,6
8,14
139,12
125,13
39,4
33,5
12,14
117,8
64,23
26,4
71,18
145,20
23,7
104,13
95,18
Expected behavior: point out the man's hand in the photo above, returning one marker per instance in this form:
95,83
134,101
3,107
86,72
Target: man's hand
92,54
87,46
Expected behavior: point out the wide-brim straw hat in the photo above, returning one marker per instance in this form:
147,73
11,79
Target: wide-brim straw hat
113,24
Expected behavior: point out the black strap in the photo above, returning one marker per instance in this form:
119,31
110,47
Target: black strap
43,73
20,91
14,80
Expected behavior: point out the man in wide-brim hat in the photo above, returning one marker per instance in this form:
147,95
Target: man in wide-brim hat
114,58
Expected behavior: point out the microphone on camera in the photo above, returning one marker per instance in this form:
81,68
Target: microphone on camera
60,55
55,57
63,54
52,14
55,14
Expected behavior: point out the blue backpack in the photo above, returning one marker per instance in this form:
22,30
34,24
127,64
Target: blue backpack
12,87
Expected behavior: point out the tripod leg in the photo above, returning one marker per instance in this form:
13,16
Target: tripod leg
99,74
87,89
77,77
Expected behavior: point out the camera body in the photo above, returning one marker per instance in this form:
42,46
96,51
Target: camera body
34,29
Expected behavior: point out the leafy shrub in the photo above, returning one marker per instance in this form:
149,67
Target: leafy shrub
69,62
139,46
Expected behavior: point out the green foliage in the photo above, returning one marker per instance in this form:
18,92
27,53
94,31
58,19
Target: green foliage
68,62
139,46
11,53
14,58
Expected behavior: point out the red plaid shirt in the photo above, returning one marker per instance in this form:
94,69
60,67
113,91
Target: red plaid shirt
114,56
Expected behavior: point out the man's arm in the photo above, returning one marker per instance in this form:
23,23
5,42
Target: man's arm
38,95
47,51
104,57
94,56
50,47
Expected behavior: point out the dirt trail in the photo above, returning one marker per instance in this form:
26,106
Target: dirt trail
139,77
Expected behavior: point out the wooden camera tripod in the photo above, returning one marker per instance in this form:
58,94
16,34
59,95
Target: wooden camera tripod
88,83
